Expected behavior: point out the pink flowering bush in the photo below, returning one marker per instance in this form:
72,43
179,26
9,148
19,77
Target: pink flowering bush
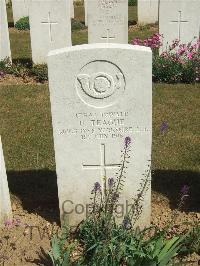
179,63
154,42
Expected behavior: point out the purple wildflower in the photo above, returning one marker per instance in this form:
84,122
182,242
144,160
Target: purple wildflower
127,141
126,223
115,196
2,74
110,182
97,187
8,223
185,190
184,195
163,127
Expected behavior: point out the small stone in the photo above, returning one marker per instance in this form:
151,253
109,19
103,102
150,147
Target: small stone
14,207
198,215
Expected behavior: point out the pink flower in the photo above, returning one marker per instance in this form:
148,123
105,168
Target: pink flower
8,223
190,55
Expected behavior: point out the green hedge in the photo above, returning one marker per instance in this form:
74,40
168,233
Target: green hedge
23,24
132,2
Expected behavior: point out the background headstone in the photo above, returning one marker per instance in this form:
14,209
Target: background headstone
5,204
148,11
96,101
107,21
4,34
50,27
20,9
179,19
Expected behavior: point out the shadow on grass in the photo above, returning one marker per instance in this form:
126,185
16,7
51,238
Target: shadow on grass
38,193
11,24
23,61
169,184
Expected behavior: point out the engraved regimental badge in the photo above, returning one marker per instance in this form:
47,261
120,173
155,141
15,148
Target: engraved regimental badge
101,88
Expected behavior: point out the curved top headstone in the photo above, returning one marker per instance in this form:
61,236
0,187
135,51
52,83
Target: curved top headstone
100,94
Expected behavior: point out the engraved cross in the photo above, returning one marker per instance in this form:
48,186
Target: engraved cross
179,21
108,36
50,23
103,166
26,3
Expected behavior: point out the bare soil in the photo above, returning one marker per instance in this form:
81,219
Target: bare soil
28,240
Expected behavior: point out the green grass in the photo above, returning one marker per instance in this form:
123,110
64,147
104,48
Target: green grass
142,33
20,44
27,132
26,127
21,47
178,147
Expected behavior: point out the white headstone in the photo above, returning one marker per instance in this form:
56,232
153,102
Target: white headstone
179,19
148,11
96,102
50,27
5,204
20,9
72,8
107,21
4,34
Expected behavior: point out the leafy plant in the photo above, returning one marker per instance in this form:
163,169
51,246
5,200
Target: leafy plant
61,250
179,63
23,24
191,243
77,25
106,242
40,72
129,247
18,69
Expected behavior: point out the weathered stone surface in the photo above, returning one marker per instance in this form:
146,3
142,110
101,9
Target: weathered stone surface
148,11
100,94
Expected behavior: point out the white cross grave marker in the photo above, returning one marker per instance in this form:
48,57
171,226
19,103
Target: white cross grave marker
107,15
108,36
179,21
96,102
103,165
50,23
46,18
